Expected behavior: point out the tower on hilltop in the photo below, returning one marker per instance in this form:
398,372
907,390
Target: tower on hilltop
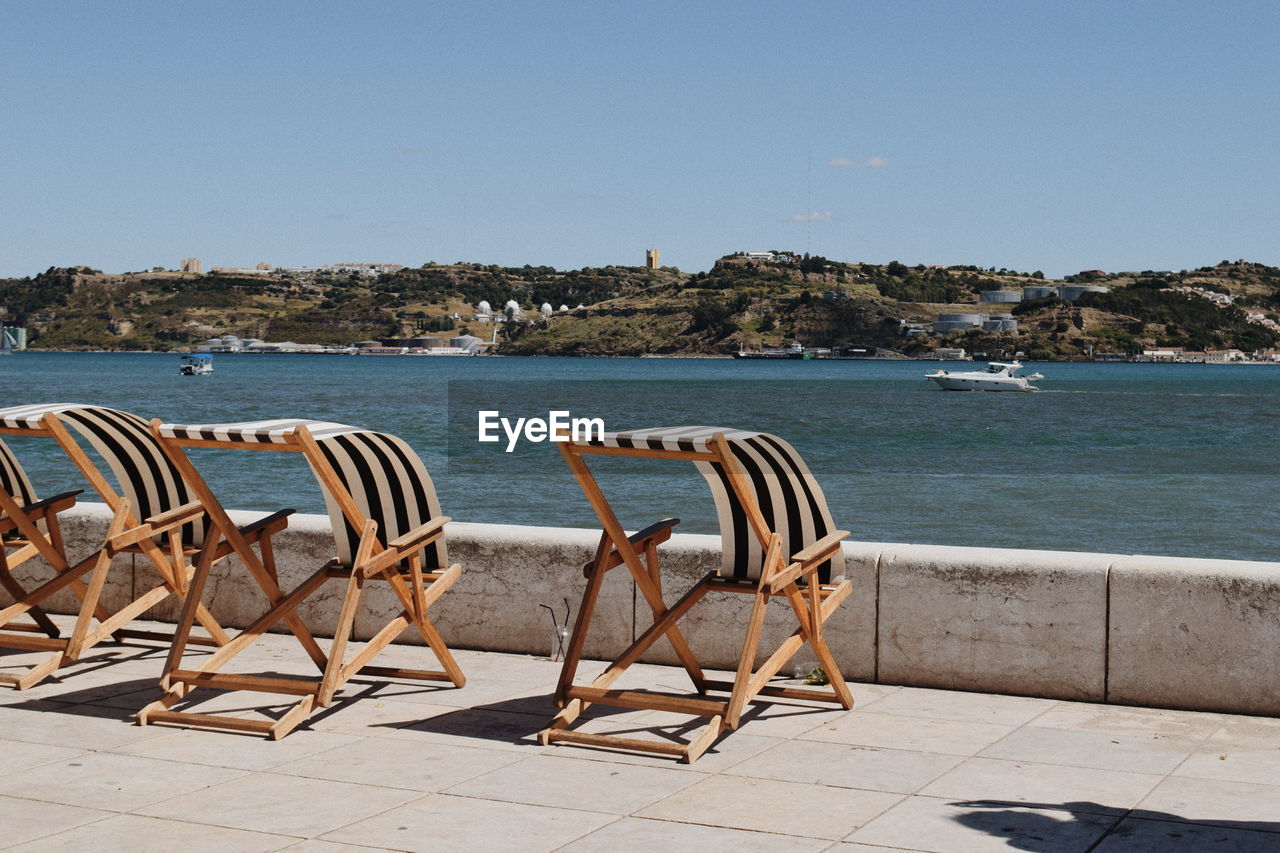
651,259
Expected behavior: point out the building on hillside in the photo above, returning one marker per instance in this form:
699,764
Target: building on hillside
651,259
191,265
366,269
1001,296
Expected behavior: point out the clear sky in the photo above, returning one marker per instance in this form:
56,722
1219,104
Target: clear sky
1031,135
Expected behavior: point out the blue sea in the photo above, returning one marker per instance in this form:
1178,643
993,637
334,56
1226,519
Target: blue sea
1121,458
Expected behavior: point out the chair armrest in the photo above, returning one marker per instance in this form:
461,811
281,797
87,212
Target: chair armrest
656,533
419,536
820,550
56,503
256,528
806,559
402,546
157,524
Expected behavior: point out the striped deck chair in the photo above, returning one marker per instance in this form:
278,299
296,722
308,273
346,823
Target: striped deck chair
152,515
28,528
777,540
387,527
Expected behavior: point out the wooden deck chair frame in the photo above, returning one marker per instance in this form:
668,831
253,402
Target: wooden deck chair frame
779,575
159,538
399,563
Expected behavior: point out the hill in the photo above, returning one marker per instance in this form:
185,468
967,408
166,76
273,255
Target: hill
744,301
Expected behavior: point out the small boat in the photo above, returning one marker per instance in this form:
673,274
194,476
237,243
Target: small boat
999,376
196,365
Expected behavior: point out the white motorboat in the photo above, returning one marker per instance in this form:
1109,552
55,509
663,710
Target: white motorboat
999,376
196,365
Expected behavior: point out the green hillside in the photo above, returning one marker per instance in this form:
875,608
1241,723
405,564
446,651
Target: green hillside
741,302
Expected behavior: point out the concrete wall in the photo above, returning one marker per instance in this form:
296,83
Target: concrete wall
1158,631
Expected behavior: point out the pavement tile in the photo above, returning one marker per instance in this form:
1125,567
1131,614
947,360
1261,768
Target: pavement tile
768,805
16,756
947,826
1214,801
232,749
136,833
1083,788
1103,750
106,780
1120,719
439,822
784,718
477,727
962,707
844,766
642,834
1135,835
910,733
427,767
24,820
71,726
1247,732
273,802
315,845
550,780
1225,761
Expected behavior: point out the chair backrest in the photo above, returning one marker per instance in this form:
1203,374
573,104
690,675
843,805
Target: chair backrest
389,484
781,485
150,482
382,475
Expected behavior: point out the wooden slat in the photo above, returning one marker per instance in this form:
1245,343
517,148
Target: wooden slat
401,672
33,644
675,749
651,701
214,721
162,636
256,683
816,694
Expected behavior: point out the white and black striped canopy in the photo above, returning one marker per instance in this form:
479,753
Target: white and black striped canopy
13,479
145,475
385,478
788,496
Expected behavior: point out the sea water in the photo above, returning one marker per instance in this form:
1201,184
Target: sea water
1118,458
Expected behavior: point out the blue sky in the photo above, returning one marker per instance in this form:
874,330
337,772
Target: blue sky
1051,136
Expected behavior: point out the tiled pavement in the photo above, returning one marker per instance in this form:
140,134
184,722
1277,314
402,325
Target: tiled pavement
410,767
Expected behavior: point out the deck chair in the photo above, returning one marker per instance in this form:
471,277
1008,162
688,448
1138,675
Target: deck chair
28,528
387,527
777,540
152,516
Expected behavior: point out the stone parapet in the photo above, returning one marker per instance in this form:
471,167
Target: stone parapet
1159,631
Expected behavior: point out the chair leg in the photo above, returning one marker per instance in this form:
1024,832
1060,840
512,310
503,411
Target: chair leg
15,589
814,611
97,579
746,659
330,682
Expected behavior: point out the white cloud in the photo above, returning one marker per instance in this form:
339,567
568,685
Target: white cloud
876,162
840,162
813,216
